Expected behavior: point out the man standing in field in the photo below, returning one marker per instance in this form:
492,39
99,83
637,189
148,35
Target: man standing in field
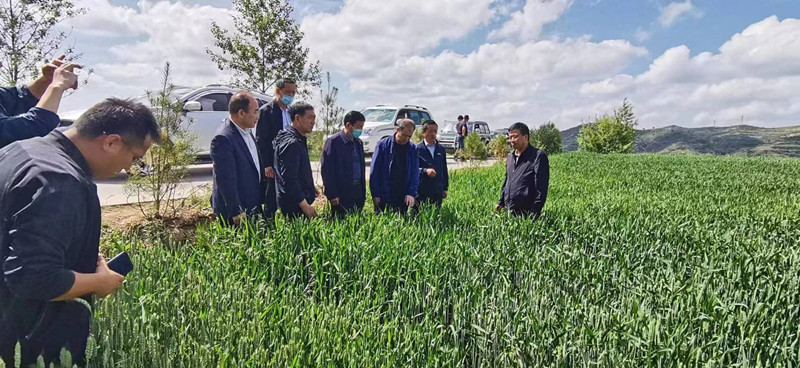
524,190
394,172
293,176
343,167
273,118
433,176
50,228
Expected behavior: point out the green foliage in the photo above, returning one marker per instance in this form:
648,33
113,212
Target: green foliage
315,141
499,147
474,148
417,136
266,45
610,134
167,162
33,31
547,138
637,261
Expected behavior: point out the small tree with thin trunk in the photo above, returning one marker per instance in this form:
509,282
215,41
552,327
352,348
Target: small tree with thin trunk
155,183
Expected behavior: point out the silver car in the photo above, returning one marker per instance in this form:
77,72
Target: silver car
206,106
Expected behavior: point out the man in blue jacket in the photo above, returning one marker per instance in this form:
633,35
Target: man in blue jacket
394,172
343,167
236,191
30,111
433,176
293,176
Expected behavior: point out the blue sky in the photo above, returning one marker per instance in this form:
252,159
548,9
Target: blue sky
534,61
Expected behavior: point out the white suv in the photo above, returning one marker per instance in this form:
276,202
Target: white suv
380,121
206,106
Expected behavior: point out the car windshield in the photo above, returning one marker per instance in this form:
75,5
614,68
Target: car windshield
379,115
449,127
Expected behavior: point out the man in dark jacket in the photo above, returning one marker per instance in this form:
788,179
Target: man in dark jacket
30,111
274,117
236,191
50,228
433,176
343,167
293,176
394,172
524,189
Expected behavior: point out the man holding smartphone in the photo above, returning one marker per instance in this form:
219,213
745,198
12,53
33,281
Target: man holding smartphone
50,228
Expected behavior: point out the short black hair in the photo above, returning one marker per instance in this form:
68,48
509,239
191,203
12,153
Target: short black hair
133,121
428,123
466,116
284,81
461,117
239,101
299,108
521,128
354,116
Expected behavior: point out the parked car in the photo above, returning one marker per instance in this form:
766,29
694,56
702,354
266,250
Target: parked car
447,134
206,106
503,131
380,120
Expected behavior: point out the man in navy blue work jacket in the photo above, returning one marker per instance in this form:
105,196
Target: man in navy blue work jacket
293,175
394,172
236,191
433,176
527,175
30,111
343,167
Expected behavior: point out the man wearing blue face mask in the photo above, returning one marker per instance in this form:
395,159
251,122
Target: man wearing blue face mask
273,118
343,167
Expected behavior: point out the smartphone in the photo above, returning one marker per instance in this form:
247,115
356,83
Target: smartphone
121,264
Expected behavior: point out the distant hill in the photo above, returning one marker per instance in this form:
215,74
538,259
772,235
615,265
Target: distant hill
733,140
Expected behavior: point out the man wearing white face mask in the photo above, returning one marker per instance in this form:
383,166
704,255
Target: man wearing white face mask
273,118
343,167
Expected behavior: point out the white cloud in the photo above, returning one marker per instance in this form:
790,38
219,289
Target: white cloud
673,12
526,24
754,75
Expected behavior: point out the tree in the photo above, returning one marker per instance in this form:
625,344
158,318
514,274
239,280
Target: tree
547,138
473,148
610,134
167,161
29,36
499,147
332,114
265,46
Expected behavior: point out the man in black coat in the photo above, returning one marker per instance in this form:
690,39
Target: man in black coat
433,176
343,167
293,176
50,228
524,189
273,118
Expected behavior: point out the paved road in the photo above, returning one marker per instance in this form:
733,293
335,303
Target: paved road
111,191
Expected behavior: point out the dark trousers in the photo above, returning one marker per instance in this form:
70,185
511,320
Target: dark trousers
340,211
423,201
270,198
392,207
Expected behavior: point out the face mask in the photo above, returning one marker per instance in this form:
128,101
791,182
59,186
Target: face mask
287,100
357,133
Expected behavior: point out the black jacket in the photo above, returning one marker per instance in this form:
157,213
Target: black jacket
436,186
525,186
49,227
337,170
270,122
295,181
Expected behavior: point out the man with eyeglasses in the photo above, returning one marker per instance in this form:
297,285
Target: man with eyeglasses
394,172
50,228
